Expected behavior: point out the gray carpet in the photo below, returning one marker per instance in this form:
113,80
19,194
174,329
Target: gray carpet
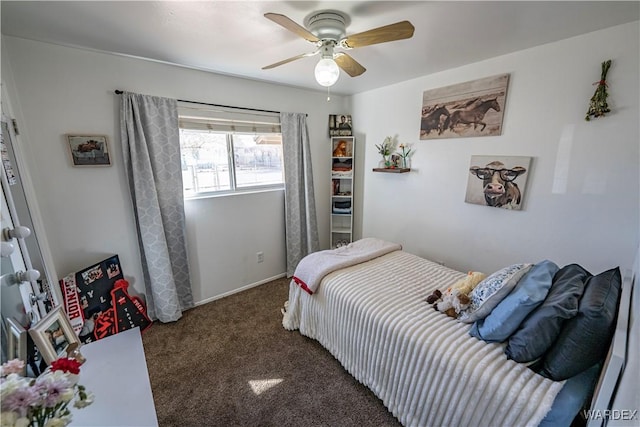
205,367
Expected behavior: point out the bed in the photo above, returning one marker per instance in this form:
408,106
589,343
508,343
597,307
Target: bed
371,315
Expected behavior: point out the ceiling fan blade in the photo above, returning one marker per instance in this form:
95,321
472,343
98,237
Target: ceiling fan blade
348,64
398,31
286,61
291,26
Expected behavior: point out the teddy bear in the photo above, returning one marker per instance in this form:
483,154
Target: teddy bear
341,149
455,298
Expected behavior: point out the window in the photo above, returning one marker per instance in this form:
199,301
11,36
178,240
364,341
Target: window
226,152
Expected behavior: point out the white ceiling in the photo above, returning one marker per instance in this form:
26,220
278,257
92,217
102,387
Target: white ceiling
233,37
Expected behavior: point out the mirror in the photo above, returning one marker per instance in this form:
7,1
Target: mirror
26,291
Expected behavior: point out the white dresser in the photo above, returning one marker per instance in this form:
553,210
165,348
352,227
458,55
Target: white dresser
116,373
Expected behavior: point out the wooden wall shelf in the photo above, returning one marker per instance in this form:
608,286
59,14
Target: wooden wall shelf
392,170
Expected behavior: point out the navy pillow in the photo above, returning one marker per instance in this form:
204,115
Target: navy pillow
528,294
539,330
584,340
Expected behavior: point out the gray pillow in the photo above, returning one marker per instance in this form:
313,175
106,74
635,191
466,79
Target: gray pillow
541,327
584,340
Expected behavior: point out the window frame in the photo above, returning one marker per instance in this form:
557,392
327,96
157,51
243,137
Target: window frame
231,162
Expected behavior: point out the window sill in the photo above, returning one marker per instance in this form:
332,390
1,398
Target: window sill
234,193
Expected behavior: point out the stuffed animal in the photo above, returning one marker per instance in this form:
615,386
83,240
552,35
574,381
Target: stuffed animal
341,149
453,303
455,298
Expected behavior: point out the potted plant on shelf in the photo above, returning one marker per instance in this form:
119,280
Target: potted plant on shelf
405,153
385,149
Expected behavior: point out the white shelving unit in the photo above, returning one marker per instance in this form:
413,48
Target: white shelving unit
342,164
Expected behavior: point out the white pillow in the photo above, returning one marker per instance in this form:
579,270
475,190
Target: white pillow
491,291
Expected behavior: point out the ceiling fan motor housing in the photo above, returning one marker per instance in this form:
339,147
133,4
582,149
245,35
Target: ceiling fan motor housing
327,24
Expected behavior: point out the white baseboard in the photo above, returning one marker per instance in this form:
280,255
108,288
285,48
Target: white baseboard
235,291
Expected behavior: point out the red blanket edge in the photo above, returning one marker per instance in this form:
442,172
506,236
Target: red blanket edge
302,285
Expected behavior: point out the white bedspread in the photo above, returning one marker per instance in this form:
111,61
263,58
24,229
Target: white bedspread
312,268
423,365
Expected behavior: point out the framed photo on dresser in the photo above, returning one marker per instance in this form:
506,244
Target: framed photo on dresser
53,335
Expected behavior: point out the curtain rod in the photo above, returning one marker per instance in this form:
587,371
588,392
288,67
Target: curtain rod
119,92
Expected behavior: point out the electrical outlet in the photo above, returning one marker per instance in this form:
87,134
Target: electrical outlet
259,256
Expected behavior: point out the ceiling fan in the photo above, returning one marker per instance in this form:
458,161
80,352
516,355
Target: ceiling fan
326,29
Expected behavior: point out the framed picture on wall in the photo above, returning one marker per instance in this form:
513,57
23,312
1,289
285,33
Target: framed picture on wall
89,150
340,125
53,335
498,181
468,109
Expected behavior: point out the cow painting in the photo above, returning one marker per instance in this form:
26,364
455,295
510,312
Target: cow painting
497,183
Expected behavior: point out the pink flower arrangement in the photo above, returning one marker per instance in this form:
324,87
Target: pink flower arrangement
42,401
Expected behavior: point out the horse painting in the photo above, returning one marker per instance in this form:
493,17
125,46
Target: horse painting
433,121
473,116
464,109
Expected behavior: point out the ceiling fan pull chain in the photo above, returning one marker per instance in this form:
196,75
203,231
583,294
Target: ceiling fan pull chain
328,93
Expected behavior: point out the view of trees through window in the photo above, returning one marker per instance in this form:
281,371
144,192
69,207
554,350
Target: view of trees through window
223,162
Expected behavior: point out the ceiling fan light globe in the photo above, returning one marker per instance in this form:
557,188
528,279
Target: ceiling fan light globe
327,72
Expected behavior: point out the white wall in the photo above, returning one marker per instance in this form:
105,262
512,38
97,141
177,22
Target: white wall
591,218
224,235
87,211
593,221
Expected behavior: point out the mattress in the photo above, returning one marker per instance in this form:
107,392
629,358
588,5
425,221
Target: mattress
423,365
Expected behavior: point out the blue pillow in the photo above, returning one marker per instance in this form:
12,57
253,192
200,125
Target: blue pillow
539,330
571,398
528,294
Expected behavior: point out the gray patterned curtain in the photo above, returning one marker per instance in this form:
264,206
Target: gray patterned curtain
151,147
301,226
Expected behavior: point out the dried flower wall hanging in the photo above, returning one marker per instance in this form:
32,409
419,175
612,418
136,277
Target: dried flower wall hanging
598,105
